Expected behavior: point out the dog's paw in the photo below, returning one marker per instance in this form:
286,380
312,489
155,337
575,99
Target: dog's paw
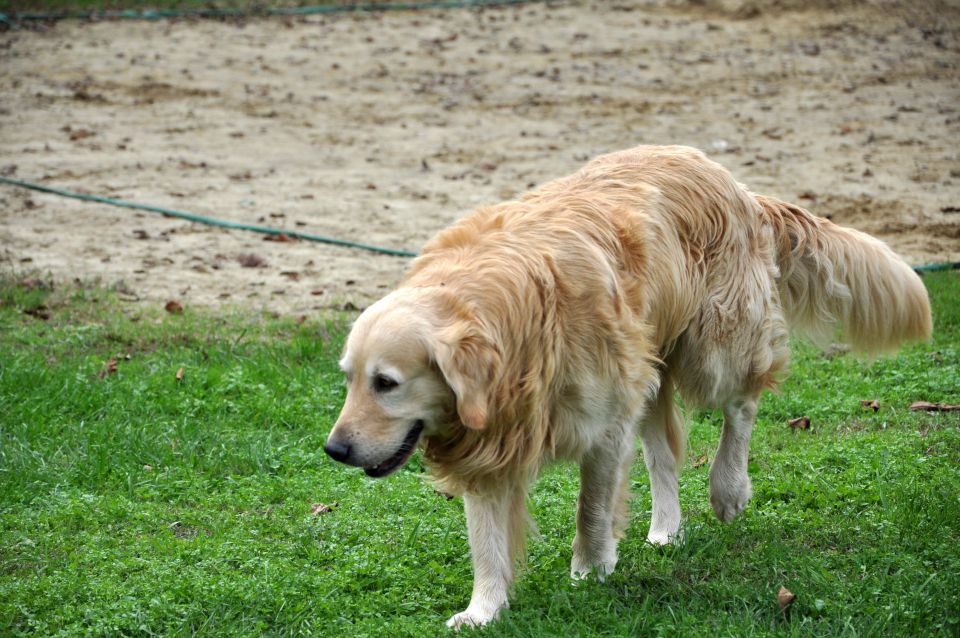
582,567
662,537
469,618
730,499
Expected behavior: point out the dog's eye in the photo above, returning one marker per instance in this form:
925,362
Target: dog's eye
383,383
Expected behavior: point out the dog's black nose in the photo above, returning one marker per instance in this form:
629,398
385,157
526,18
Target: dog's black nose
338,451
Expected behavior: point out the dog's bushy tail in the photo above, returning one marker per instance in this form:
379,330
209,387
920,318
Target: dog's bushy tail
834,277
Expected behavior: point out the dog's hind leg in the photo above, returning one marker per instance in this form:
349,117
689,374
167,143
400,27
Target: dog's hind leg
664,439
495,525
604,477
730,487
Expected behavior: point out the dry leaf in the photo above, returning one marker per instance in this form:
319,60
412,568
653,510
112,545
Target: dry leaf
174,307
317,291
800,423
148,468
322,508
251,260
80,134
934,407
40,312
179,375
785,597
871,403
110,367
701,461
280,237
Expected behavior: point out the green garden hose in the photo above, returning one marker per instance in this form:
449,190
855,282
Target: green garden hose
214,12
203,219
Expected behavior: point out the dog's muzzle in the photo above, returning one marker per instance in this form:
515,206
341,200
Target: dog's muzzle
343,452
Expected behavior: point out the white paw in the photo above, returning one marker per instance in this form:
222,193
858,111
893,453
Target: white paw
581,567
664,537
730,498
470,618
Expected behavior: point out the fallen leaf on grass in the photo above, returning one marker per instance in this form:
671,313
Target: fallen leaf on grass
110,367
322,508
40,312
800,423
785,598
701,461
174,307
870,403
179,375
182,531
934,407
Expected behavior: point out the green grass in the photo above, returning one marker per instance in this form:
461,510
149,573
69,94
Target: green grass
138,504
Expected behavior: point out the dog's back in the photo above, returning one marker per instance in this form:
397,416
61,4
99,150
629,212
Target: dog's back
725,271
664,236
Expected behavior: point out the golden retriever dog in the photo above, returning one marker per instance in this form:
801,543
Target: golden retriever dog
563,324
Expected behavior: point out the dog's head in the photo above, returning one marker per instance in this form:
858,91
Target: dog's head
412,371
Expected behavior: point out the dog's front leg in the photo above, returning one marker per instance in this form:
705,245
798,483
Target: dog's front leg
729,483
493,521
602,506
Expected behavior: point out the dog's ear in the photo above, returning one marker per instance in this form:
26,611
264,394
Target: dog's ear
469,363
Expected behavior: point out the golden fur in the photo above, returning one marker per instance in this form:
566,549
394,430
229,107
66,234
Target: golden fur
559,325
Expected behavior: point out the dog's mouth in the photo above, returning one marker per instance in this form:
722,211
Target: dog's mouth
401,456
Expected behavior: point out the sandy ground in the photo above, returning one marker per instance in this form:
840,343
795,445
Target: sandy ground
386,127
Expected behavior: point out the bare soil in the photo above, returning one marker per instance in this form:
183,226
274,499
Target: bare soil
385,127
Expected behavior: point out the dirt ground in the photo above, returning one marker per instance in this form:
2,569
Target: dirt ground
385,127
